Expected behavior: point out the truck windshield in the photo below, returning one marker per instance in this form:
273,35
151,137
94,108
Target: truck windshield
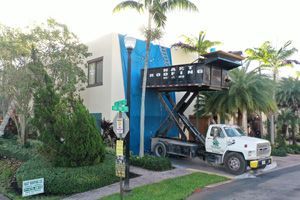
234,132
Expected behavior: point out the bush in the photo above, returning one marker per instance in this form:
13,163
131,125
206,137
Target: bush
279,152
64,181
11,149
68,131
151,162
293,149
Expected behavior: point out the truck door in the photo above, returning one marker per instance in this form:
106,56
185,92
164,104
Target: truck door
216,141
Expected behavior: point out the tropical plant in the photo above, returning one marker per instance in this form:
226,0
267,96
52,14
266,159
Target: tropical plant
288,98
272,59
197,45
248,92
156,10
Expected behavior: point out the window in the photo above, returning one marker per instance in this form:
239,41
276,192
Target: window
217,132
95,72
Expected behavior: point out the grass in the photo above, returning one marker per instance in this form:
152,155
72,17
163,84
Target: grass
10,148
176,188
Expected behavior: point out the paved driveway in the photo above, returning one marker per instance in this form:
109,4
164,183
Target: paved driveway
283,184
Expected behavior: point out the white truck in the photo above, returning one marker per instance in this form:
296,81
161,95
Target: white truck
224,144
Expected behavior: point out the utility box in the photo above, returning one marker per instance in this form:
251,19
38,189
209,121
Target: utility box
210,73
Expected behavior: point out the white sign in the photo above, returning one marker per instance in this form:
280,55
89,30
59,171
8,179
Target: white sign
32,187
121,125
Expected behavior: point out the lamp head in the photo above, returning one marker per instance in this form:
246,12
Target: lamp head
129,42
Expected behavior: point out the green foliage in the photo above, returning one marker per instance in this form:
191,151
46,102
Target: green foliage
68,131
248,90
175,188
25,55
11,149
279,152
293,149
151,162
198,44
63,180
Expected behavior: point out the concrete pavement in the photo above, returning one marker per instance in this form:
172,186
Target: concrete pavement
183,167
276,185
3,197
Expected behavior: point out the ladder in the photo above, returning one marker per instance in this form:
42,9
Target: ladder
164,54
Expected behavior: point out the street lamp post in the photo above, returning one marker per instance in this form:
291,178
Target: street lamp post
129,44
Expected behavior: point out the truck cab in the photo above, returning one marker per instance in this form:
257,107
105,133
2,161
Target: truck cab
236,150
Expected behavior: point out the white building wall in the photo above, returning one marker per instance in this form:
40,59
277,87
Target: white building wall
117,84
179,56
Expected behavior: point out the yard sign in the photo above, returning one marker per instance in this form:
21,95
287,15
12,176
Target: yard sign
32,187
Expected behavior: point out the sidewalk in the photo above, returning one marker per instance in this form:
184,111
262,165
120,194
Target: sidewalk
3,197
147,177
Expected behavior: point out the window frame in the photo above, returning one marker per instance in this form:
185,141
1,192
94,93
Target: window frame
97,82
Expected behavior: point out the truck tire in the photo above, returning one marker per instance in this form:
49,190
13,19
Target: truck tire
235,163
160,150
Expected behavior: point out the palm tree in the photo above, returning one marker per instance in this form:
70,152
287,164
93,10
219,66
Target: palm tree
272,59
198,44
156,10
248,92
288,98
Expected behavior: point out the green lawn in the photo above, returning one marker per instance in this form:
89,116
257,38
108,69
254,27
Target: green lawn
176,188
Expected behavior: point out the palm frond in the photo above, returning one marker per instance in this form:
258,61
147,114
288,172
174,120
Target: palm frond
179,4
129,5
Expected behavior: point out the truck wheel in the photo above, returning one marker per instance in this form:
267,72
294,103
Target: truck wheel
160,149
235,163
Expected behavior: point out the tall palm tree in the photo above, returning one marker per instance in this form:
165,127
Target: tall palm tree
288,98
156,10
248,92
273,59
198,44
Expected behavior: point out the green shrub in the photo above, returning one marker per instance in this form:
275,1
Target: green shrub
64,181
293,149
68,131
10,148
151,162
279,152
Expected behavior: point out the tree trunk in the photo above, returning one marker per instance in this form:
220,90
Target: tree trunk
23,138
272,121
142,117
244,120
240,118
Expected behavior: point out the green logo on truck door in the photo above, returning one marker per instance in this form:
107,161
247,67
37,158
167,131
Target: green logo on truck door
215,143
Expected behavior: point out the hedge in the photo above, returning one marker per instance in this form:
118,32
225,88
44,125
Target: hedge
281,152
63,180
293,149
151,162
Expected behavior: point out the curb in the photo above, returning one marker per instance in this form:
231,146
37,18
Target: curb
207,172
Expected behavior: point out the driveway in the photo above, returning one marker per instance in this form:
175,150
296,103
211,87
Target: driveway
277,185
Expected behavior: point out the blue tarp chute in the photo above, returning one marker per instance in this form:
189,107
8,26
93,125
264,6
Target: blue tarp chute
154,111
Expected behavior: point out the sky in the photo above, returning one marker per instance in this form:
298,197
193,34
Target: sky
238,24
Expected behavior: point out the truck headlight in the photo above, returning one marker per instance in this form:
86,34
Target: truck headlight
251,153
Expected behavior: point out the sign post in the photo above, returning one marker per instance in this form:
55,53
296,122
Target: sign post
121,128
